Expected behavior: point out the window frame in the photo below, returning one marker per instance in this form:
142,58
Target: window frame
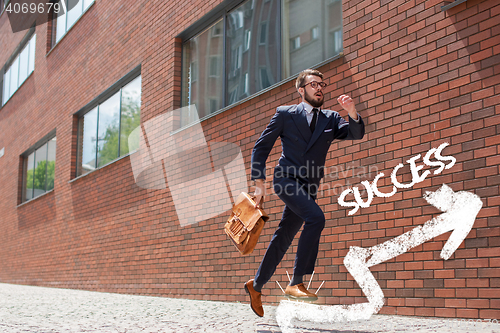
10,61
5,3
53,33
103,97
24,156
221,12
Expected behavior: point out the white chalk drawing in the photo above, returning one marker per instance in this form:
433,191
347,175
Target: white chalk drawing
203,179
372,188
459,213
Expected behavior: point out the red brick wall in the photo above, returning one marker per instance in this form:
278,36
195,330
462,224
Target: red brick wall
419,76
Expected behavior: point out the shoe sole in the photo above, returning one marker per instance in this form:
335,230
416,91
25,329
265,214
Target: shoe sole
302,299
248,292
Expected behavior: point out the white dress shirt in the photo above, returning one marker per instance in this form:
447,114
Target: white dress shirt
309,114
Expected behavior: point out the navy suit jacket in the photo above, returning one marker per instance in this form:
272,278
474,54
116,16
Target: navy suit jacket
303,153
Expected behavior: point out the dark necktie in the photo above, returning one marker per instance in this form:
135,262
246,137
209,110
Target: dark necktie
312,125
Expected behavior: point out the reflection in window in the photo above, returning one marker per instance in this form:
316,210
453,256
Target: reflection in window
257,48
204,79
264,79
107,130
295,43
104,131
130,112
316,39
263,33
248,36
40,170
30,163
261,55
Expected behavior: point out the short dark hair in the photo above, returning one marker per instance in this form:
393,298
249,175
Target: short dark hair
302,76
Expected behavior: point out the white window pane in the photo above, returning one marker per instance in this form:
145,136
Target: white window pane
87,145
87,3
75,12
6,87
130,112
51,163
14,75
23,64
40,172
29,176
61,23
31,67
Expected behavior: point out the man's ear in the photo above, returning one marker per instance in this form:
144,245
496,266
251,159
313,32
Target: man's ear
301,91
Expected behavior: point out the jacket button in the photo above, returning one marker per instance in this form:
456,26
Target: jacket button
302,155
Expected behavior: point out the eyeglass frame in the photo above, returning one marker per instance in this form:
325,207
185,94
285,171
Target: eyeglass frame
316,83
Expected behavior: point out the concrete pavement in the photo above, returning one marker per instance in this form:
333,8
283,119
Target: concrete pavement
52,310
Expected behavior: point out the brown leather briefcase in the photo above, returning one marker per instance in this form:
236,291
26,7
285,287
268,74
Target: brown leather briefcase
245,223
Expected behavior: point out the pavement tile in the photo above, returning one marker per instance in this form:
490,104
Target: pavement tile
53,310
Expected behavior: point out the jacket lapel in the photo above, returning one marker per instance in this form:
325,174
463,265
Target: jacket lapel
320,126
299,117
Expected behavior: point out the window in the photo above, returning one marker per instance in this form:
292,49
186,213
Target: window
104,130
315,33
257,43
248,36
264,79
3,4
205,50
39,169
246,84
295,43
22,65
194,71
214,66
263,33
64,21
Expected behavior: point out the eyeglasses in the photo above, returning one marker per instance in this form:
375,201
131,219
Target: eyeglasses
315,84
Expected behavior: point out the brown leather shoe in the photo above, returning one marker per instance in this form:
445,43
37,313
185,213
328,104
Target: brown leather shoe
300,293
255,301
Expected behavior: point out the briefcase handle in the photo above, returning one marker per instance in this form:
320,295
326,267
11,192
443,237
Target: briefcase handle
261,200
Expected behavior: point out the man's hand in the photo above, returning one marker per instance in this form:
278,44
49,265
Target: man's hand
260,192
348,104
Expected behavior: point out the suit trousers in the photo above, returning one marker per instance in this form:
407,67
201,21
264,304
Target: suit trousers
300,207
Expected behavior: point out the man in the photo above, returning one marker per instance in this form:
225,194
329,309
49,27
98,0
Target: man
306,133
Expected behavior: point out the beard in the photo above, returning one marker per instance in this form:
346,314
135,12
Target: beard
315,100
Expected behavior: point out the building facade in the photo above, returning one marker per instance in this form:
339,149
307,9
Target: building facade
115,116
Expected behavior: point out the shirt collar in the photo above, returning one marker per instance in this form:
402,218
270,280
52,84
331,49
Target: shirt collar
308,107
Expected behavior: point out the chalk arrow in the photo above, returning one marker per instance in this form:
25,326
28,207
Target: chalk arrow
459,213
460,210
